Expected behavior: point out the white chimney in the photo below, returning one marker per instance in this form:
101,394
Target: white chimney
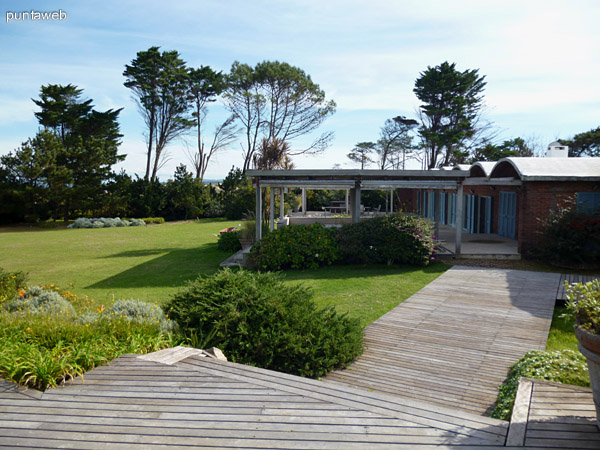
557,150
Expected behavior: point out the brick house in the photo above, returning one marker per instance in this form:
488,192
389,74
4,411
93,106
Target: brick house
512,196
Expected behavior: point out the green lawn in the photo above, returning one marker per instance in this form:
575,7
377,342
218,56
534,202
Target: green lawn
148,263
561,336
151,263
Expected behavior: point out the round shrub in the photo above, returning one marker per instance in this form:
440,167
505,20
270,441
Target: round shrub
229,242
37,300
398,238
296,247
257,319
140,312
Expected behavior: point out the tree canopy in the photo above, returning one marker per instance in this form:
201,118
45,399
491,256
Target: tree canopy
275,100
584,144
159,82
449,113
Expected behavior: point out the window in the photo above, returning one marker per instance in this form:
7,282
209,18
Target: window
588,202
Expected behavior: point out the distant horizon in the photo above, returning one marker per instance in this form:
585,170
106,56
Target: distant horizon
537,57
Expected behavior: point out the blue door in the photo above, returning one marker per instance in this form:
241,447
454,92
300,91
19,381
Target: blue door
507,214
469,219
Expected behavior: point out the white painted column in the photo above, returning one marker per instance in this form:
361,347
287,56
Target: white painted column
459,218
304,201
347,204
258,213
392,200
281,203
272,210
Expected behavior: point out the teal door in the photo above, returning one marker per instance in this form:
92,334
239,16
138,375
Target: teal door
507,214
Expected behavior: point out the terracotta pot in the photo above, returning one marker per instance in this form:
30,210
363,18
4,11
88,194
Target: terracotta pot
589,346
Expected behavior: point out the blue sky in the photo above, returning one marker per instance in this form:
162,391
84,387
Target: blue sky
541,60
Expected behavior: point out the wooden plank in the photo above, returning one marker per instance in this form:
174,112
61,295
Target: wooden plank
520,414
453,342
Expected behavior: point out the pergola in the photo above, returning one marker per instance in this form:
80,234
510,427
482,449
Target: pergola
354,181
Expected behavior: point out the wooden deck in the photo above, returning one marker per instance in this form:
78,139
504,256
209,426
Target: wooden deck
197,402
570,278
452,343
550,415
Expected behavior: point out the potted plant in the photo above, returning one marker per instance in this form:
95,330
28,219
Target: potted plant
583,300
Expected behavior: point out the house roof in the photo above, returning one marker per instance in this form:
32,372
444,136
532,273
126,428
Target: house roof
485,166
550,169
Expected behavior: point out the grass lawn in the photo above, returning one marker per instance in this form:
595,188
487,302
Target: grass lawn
562,334
366,292
148,263
151,263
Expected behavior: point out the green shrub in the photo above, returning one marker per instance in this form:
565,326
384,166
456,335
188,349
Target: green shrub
583,301
104,222
257,319
153,220
397,238
570,238
10,284
37,300
140,312
296,247
565,366
229,242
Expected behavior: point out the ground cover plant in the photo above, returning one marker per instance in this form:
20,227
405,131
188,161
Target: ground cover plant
47,339
255,318
561,362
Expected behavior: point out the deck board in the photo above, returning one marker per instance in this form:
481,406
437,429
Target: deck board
452,343
571,278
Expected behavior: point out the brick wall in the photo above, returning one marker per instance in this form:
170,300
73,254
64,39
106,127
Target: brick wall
536,199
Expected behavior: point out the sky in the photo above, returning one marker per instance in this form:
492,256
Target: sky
541,60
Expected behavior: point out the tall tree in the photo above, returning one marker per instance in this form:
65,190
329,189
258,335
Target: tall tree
449,113
159,82
70,160
584,144
275,100
205,86
395,142
361,153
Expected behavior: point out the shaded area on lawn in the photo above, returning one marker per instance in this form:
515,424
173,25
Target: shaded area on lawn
173,267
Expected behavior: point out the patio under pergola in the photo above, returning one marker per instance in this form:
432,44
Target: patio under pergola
354,182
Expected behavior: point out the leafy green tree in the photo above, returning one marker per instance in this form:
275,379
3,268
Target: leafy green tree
238,196
160,84
584,144
395,143
449,113
492,152
361,153
205,86
276,100
187,196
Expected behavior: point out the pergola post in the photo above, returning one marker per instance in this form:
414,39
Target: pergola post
459,217
281,203
438,212
272,210
392,201
304,201
258,214
356,203
347,204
